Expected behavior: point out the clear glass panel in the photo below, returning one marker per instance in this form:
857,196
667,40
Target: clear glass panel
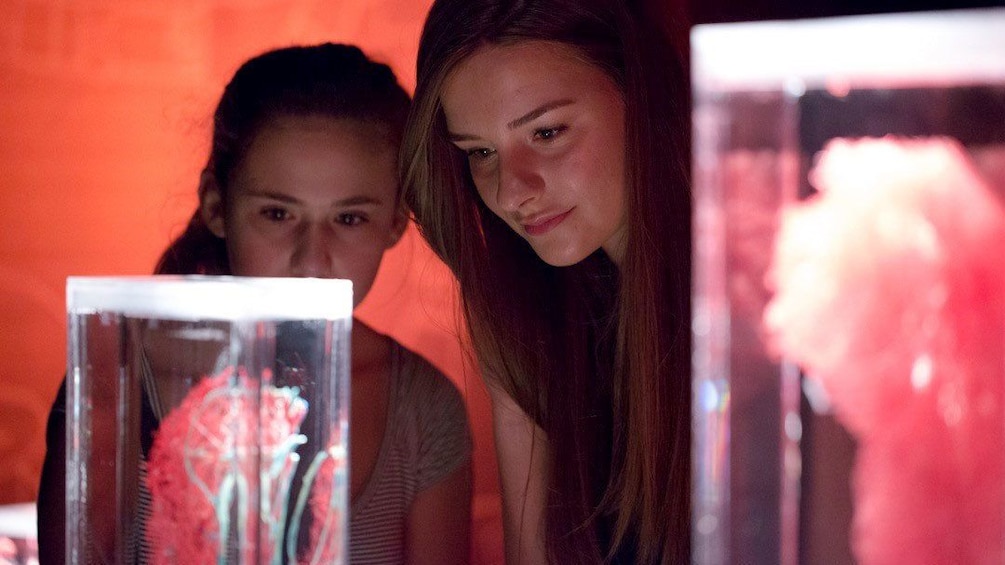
217,438
849,216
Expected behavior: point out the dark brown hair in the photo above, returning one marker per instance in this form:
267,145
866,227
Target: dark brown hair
598,356
332,80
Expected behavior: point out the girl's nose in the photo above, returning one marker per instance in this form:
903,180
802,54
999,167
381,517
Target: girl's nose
520,180
314,253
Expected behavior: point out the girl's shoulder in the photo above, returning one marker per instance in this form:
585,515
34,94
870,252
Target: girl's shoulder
419,383
429,415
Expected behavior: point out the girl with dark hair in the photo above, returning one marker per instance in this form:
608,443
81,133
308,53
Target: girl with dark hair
301,182
545,160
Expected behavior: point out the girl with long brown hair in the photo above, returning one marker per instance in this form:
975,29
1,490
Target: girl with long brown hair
301,181
545,160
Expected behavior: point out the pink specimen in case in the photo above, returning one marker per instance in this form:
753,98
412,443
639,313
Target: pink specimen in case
230,436
890,291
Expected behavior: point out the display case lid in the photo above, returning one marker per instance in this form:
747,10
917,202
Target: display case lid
199,297
888,50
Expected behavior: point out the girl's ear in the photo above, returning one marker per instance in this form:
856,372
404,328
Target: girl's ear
401,219
211,204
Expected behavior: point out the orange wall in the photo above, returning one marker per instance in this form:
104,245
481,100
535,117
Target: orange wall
104,119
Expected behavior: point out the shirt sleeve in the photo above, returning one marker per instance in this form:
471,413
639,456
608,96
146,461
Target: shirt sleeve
444,435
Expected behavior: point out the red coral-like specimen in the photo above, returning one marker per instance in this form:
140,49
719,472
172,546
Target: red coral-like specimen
890,290
206,456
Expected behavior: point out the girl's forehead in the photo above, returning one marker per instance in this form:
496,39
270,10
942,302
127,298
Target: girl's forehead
506,78
320,157
525,51
549,63
369,130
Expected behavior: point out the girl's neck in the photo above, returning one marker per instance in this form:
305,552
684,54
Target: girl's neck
369,348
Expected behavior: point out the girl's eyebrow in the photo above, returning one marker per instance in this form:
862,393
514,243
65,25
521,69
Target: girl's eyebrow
272,196
360,200
524,119
538,112
455,137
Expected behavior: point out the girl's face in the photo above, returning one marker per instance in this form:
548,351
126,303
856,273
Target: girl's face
313,197
544,134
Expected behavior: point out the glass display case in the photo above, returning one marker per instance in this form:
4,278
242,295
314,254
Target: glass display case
207,420
849,183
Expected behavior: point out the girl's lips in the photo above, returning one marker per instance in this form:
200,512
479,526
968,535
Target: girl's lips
545,224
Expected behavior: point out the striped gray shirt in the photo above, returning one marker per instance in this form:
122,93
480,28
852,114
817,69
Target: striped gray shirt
426,438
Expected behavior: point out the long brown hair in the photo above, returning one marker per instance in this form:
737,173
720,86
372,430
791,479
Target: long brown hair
598,356
329,79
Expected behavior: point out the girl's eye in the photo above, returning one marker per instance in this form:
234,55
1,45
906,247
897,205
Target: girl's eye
479,154
275,214
351,219
547,134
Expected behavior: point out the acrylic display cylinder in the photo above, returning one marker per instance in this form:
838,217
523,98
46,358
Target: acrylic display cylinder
849,180
207,420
